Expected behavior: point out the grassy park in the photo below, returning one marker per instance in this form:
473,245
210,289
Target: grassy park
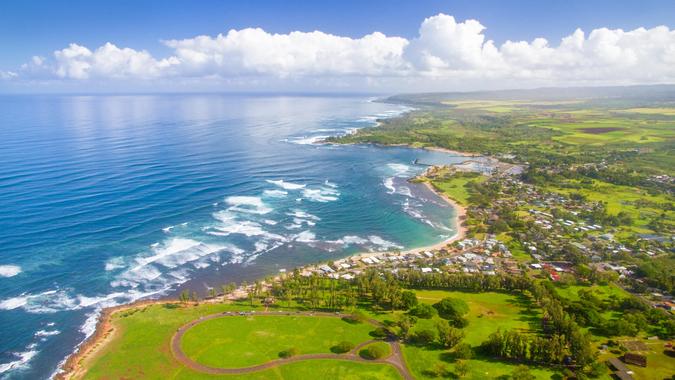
487,312
242,341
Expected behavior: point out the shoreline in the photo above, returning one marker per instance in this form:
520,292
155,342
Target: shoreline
74,367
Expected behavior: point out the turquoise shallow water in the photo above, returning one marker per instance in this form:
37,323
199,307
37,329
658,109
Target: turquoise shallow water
106,199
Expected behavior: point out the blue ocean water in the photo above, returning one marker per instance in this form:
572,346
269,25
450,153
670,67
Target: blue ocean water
107,199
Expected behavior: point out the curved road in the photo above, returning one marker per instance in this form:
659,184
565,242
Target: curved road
395,359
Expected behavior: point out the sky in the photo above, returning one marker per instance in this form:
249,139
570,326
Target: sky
354,46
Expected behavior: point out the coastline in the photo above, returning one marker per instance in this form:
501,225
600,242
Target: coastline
74,366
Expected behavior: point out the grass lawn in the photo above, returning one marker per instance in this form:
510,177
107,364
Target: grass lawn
140,350
455,186
603,292
487,312
243,341
314,369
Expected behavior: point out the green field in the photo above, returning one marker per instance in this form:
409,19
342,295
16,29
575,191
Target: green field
243,341
141,349
314,369
487,312
455,186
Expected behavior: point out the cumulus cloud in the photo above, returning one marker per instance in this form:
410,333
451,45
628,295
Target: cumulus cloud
445,51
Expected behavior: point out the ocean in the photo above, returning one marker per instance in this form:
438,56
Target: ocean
108,199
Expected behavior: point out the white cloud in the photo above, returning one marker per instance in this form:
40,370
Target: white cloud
254,51
445,53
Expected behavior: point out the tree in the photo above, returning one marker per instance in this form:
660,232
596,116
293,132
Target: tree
448,336
424,337
462,368
522,372
342,347
423,311
185,296
463,351
408,299
285,354
452,309
374,351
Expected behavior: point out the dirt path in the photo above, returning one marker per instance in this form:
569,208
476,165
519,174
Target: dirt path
395,359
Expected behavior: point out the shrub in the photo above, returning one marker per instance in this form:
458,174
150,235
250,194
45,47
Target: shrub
408,299
451,308
423,311
342,347
379,332
423,337
375,351
356,317
288,353
463,351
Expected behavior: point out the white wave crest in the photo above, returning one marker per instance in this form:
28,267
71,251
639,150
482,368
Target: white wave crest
286,185
322,194
275,193
247,204
46,333
382,243
9,270
22,360
400,170
389,184
305,237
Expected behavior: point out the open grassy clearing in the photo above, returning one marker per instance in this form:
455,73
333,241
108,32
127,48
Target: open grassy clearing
455,187
487,312
242,341
603,292
312,369
140,349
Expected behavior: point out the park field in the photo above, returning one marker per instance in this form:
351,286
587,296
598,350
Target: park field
487,312
140,347
242,341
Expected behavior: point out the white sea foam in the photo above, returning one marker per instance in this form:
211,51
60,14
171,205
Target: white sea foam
305,237
389,184
46,333
247,204
22,359
275,193
302,214
9,270
229,226
270,222
307,140
400,170
382,243
322,194
168,229
114,263
330,184
286,185
349,240
405,190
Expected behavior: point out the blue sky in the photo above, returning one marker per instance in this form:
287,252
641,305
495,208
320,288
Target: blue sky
38,28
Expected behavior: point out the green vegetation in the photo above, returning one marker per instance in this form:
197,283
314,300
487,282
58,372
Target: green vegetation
377,350
242,341
487,312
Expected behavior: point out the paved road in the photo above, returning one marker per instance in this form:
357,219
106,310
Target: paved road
395,359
